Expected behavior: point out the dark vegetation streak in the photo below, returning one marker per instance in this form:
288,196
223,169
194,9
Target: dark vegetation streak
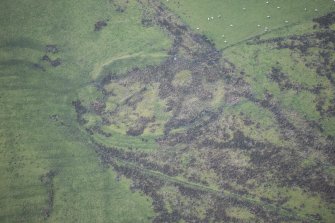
47,181
150,181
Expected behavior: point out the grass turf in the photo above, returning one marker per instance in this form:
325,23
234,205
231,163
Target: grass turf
39,132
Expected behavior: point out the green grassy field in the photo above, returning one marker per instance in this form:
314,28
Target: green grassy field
34,142
245,16
49,170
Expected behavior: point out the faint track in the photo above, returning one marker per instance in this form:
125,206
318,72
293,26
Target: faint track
98,68
223,194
